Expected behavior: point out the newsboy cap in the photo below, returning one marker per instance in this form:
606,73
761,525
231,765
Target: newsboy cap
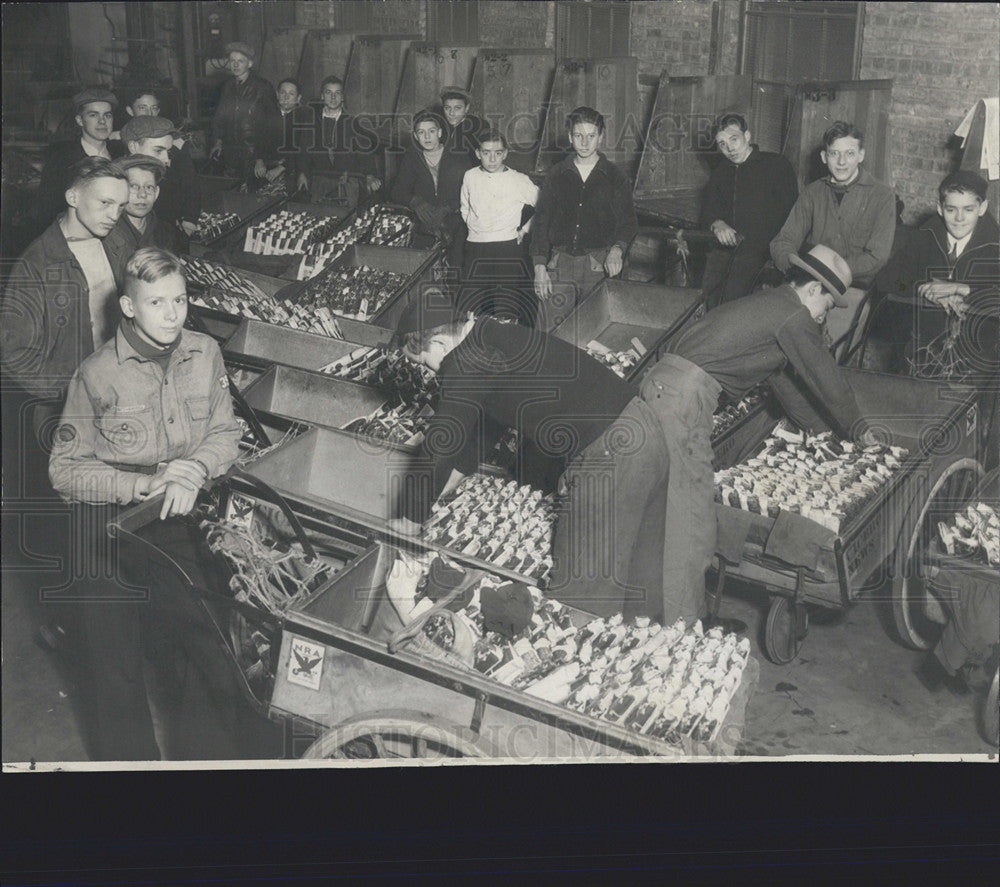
240,47
145,127
94,94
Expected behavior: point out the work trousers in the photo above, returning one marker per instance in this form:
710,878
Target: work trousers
971,635
685,397
133,617
572,278
637,530
495,281
729,274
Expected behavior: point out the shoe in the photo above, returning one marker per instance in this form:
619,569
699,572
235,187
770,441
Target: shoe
933,676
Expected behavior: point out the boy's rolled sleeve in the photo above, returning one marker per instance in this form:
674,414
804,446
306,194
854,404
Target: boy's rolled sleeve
219,448
76,473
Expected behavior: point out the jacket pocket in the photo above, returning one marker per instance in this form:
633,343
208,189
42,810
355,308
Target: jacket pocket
128,435
198,409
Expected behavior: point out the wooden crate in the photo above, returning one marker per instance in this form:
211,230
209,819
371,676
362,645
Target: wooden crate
679,149
510,88
610,86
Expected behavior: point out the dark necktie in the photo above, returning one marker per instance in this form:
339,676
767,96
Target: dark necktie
952,256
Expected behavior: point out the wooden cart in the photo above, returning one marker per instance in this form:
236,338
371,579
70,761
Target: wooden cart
873,550
355,697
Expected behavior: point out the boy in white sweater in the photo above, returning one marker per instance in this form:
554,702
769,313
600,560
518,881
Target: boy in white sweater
495,273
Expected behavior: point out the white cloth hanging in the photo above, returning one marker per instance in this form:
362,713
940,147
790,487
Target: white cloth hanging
990,159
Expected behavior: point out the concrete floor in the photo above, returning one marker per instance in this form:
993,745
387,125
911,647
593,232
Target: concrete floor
851,691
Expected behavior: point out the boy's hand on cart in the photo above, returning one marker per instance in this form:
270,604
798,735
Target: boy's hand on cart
403,526
613,263
178,499
725,233
543,283
260,169
937,291
372,183
187,472
148,485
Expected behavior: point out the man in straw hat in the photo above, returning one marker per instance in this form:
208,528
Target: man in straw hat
731,349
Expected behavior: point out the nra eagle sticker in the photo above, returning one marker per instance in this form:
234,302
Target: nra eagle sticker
305,664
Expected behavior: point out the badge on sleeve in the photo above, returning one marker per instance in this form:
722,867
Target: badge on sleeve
65,433
224,381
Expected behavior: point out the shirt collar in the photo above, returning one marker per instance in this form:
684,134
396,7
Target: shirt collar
93,152
959,245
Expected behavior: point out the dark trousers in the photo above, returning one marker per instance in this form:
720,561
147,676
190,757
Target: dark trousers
971,635
136,624
495,280
729,274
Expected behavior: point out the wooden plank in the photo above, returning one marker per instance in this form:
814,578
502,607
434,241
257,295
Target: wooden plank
610,86
511,87
324,53
815,106
282,54
679,149
428,68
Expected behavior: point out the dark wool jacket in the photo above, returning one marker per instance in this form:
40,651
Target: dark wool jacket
577,217
245,115
59,157
45,325
754,197
414,184
925,257
343,145
123,241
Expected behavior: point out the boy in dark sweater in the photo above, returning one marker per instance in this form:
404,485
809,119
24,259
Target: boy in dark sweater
747,200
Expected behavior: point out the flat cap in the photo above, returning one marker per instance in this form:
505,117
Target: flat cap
94,94
145,127
242,48
456,92
143,161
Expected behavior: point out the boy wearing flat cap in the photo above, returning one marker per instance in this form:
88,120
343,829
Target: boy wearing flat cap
153,137
733,347
94,111
246,118
139,226
461,129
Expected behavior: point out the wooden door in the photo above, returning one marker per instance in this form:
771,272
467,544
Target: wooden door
679,149
510,88
325,53
815,106
609,85
429,67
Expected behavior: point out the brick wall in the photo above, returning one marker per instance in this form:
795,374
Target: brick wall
942,57
515,23
674,35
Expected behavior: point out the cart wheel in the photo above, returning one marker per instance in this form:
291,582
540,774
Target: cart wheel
990,715
782,638
916,612
395,735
